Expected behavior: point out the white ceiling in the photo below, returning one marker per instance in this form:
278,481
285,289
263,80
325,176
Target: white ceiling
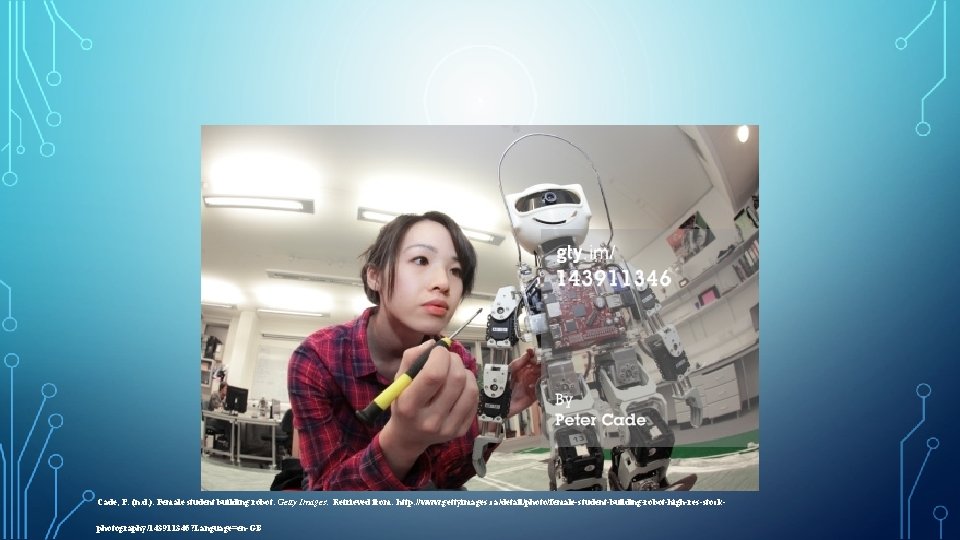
652,176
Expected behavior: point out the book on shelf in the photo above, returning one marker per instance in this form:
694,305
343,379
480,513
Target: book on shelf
749,262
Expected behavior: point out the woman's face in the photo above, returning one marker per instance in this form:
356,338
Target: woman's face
427,283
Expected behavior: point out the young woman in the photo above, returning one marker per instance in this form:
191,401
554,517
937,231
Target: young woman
416,273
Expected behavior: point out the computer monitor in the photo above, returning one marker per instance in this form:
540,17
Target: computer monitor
236,399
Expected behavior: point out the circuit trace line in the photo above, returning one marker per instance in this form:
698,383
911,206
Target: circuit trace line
923,391
923,127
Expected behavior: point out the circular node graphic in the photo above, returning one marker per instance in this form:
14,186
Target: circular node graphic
54,119
54,78
9,324
21,149
478,83
48,390
923,390
47,149
933,443
88,495
901,43
55,461
55,420
11,360
9,179
923,129
86,44
940,512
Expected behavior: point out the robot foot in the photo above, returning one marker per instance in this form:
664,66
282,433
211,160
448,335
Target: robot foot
585,474
651,484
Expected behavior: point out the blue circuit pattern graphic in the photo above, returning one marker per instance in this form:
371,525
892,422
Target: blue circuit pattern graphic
27,100
923,391
923,127
20,467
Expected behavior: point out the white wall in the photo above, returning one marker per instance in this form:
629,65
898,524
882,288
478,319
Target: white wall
658,256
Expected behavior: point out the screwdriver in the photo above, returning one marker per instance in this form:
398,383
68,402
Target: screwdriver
382,402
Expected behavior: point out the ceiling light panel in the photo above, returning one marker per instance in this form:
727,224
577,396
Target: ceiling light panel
313,278
385,216
265,203
292,313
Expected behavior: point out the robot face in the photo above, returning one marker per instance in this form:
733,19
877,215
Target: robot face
547,211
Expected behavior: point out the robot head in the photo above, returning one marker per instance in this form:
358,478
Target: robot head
548,211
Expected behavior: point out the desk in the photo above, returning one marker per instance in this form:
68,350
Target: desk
241,421
725,385
232,421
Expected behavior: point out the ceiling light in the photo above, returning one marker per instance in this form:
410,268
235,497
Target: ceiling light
317,278
480,236
383,216
286,312
283,337
266,203
377,216
217,305
743,133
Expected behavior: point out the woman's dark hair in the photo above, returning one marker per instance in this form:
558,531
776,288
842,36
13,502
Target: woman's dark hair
382,254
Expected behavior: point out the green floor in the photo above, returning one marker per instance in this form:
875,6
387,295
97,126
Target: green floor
717,447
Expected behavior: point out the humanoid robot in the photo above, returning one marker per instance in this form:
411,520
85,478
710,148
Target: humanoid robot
584,302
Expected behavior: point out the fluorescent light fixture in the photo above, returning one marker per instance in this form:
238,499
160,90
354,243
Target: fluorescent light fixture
265,203
217,305
743,133
318,278
286,312
383,216
481,236
283,337
376,216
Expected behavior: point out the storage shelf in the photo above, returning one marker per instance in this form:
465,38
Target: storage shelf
724,296
693,284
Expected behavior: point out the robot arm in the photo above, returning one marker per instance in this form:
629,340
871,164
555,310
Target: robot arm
502,335
662,343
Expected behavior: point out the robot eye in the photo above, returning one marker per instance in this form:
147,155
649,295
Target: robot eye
546,198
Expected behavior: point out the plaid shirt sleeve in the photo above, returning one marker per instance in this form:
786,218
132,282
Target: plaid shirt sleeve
340,453
332,451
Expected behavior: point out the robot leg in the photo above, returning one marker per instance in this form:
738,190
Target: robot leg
642,453
571,425
642,466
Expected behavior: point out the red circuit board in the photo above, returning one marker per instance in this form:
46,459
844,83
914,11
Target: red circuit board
580,316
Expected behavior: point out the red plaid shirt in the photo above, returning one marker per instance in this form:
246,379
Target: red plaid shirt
330,376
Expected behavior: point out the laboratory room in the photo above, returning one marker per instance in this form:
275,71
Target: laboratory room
600,285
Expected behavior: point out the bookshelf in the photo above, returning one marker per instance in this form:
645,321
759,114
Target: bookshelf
744,260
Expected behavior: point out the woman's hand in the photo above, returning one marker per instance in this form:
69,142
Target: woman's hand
439,405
